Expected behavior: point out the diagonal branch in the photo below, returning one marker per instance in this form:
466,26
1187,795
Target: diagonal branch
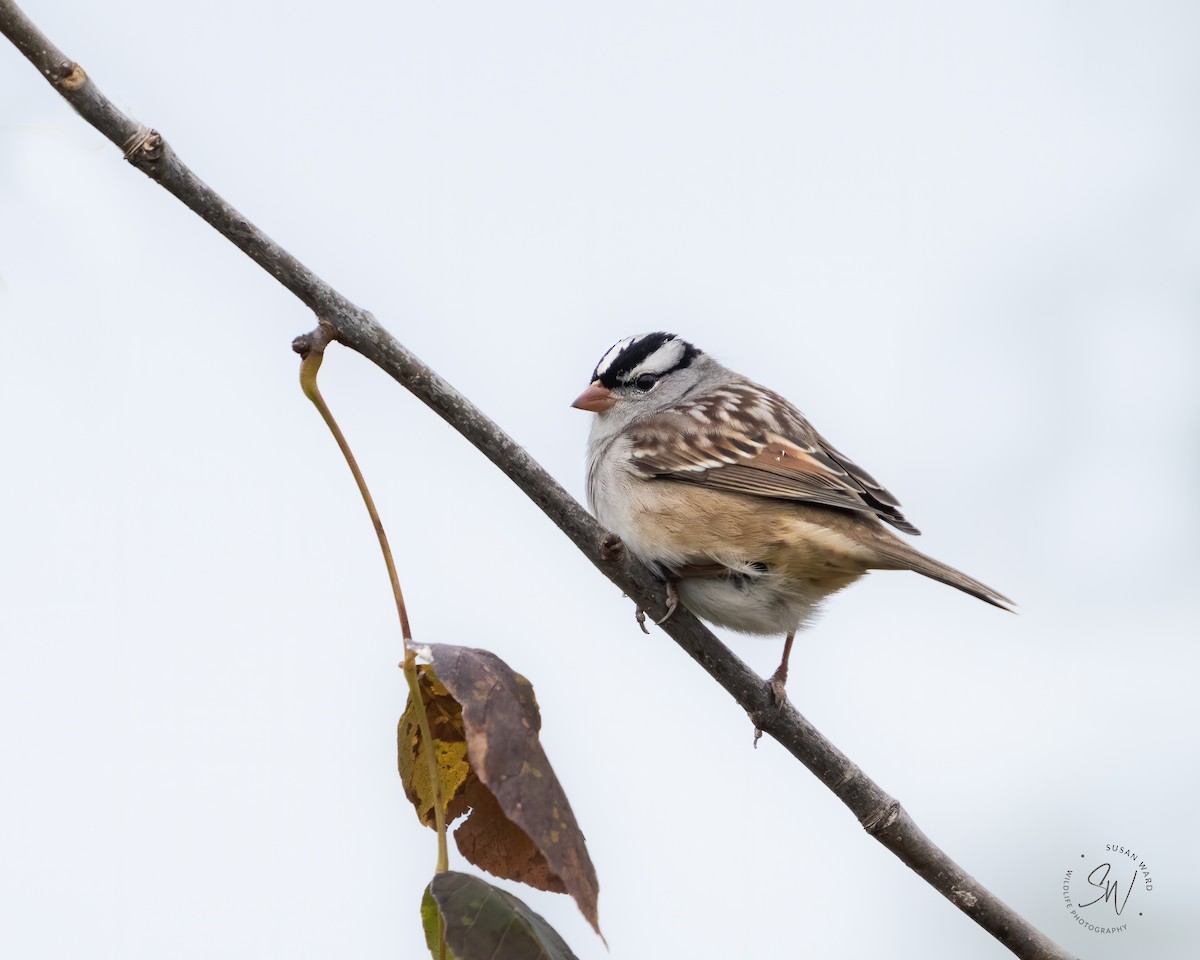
880,814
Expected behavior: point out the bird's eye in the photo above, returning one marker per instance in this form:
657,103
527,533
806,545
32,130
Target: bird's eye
646,381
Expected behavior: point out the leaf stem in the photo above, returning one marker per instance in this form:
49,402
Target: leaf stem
309,366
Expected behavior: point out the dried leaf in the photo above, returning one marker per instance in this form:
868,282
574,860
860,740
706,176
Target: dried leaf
494,843
450,751
485,923
501,722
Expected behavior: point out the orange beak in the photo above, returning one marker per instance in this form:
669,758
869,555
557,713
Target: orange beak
595,398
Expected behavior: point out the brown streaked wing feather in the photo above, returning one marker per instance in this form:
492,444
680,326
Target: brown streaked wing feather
789,462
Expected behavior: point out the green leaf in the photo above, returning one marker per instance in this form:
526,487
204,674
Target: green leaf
431,922
486,923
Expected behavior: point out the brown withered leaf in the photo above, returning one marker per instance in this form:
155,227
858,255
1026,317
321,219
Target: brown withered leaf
488,839
501,723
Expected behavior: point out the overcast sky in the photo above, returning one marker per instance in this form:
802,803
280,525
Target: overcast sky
964,238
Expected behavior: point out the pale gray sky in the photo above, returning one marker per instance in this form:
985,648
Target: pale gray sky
964,238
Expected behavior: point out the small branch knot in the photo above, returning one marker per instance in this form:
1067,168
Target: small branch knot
71,75
303,344
611,547
145,145
315,341
881,817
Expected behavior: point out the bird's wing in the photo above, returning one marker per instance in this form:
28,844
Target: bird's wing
754,442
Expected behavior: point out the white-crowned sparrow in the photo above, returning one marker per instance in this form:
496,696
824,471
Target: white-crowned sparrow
725,489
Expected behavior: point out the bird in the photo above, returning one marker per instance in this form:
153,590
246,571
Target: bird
727,492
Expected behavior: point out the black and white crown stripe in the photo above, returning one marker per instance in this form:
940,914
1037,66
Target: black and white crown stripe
658,353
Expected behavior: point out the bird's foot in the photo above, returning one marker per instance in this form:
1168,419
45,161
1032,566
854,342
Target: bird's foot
672,606
777,684
640,617
672,603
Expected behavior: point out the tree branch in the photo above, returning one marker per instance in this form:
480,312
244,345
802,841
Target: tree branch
880,814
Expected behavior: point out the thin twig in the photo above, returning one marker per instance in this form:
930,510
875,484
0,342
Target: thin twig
881,815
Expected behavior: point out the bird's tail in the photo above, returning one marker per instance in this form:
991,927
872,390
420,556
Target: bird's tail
901,556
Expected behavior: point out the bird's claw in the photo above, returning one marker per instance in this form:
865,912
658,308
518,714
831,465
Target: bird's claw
778,687
777,684
672,604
